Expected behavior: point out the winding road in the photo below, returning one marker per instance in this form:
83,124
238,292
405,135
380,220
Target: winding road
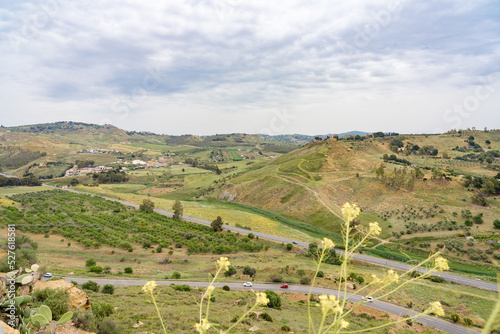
429,321
361,257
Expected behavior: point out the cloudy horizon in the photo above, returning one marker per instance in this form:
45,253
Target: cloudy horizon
226,66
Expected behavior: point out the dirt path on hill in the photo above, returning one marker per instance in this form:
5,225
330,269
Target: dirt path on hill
318,196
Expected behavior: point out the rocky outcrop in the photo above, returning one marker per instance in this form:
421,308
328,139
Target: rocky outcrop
79,299
7,329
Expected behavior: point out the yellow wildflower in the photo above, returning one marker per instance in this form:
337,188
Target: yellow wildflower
327,243
441,263
149,287
210,289
374,229
261,299
202,327
350,212
375,279
343,323
223,263
437,309
391,276
329,303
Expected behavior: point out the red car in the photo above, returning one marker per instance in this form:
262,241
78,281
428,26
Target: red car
284,286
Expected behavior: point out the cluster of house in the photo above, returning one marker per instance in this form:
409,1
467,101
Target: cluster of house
86,170
153,163
97,151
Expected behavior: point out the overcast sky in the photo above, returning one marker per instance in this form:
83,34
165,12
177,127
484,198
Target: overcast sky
223,66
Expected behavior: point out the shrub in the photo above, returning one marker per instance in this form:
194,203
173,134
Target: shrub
102,310
289,247
176,275
251,235
182,287
274,299
74,283
496,223
305,280
85,320
496,256
108,289
90,263
436,279
321,274
90,285
108,327
454,317
96,269
249,271
468,321
226,288
266,317
230,271
128,270
285,328
276,278
57,300
301,272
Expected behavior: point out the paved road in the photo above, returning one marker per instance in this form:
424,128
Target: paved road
429,321
361,257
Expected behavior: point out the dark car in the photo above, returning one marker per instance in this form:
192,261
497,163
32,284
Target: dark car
294,242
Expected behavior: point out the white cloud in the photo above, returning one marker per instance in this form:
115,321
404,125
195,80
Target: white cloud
226,65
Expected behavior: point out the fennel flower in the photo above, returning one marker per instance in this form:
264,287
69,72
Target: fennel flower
391,277
327,243
329,303
223,263
261,299
441,263
437,309
374,229
202,327
350,212
149,287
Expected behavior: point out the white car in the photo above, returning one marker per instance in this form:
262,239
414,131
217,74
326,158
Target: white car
47,275
247,284
369,298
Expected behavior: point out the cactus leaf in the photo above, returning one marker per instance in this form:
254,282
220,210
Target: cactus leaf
39,320
65,318
27,279
19,279
45,311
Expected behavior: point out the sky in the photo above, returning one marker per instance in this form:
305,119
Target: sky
272,67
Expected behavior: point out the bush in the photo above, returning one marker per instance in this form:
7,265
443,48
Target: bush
266,317
251,235
85,320
90,263
74,283
57,300
276,278
128,270
108,327
496,224
274,299
321,274
230,271
249,271
305,280
454,317
176,275
102,310
468,322
289,247
285,328
182,287
96,269
108,289
90,285
226,288
436,279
